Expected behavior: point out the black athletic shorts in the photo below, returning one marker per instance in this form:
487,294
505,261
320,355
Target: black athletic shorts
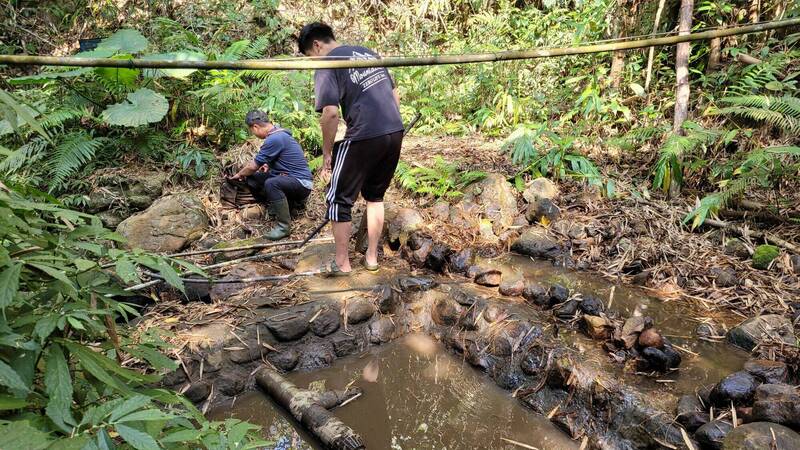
365,167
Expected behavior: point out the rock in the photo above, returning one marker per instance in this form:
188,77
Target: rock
763,256
496,200
459,262
326,322
500,346
712,434
493,313
707,330
285,360
344,345
316,356
230,383
738,387
558,294
419,247
512,288
592,306
629,333
489,278
795,261
198,391
465,298
673,356
196,292
537,294
223,291
767,371
544,211
358,311
381,330
388,300
416,284
777,403
773,327
597,327
566,311
534,361
441,210
235,254
655,359
288,327
508,377
761,436
437,258
690,413
111,219
247,354
535,242
650,338
540,188
445,312
177,376
168,225
569,229
737,248
724,276
399,223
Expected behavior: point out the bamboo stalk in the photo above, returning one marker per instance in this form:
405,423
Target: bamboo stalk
327,63
247,247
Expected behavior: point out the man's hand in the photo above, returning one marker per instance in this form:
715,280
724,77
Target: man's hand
325,173
236,177
264,168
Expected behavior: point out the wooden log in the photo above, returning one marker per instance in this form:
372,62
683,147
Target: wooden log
311,409
771,238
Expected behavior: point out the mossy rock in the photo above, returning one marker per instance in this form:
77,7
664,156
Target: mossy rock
764,254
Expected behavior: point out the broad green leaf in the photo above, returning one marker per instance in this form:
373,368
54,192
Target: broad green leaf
146,415
74,443
97,53
58,275
7,402
170,275
58,385
774,86
13,121
45,326
175,56
97,360
126,270
128,406
141,107
11,379
44,77
637,89
181,436
138,439
9,284
155,358
20,435
126,40
95,415
84,264
124,76
22,113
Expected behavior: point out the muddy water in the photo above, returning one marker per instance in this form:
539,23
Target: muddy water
703,362
423,398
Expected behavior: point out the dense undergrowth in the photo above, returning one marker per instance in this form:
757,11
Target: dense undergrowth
571,117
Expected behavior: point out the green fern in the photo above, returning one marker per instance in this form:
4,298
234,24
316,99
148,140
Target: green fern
443,179
74,151
781,112
677,146
25,156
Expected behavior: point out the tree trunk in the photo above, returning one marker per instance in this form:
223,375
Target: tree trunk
617,66
651,51
682,78
311,409
713,55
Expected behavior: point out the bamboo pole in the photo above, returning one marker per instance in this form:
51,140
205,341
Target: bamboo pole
327,63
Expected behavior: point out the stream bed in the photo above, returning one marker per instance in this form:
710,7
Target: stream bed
424,397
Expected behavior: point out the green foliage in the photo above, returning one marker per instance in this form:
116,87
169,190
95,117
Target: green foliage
443,179
694,138
780,112
59,376
763,256
140,108
72,152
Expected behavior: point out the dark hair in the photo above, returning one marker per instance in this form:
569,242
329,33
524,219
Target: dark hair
256,116
316,31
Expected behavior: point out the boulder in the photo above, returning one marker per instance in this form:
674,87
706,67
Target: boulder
540,188
231,383
437,257
512,287
345,345
359,310
558,294
752,331
592,306
445,312
535,242
767,371
316,356
459,262
168,225
738,387
690,413
288,326
398,224
198,391
441,210
567,310
543,211
763,256
381,330
534,361
111,219
777,403
326,322
659,359
491,278
388,299
496,200
712,434
285,360
416,284
537,294
760,436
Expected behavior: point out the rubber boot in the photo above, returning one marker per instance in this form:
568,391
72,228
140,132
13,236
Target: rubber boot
283,220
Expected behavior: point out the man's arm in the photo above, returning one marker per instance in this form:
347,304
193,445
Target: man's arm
396,97
246,171
329,122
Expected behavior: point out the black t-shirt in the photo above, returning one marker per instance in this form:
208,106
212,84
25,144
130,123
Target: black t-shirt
364,94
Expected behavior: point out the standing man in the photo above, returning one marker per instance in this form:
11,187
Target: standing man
365,161
288,176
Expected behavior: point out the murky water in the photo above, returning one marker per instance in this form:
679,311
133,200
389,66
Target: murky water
703,362
424,398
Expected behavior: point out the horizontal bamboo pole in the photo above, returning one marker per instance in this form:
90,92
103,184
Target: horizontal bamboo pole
323,63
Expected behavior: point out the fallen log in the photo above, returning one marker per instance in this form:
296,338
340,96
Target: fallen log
311,409
772,239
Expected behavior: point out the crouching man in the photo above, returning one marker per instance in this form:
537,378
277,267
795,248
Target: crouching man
288,176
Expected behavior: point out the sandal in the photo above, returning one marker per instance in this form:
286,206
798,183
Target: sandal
370,267
332,270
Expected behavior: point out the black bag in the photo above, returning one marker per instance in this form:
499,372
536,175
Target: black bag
235,194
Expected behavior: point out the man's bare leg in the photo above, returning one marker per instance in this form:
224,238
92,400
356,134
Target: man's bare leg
341,237
374,230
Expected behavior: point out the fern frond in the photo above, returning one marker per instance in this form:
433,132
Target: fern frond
781,112
668,166
24,156
72,152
